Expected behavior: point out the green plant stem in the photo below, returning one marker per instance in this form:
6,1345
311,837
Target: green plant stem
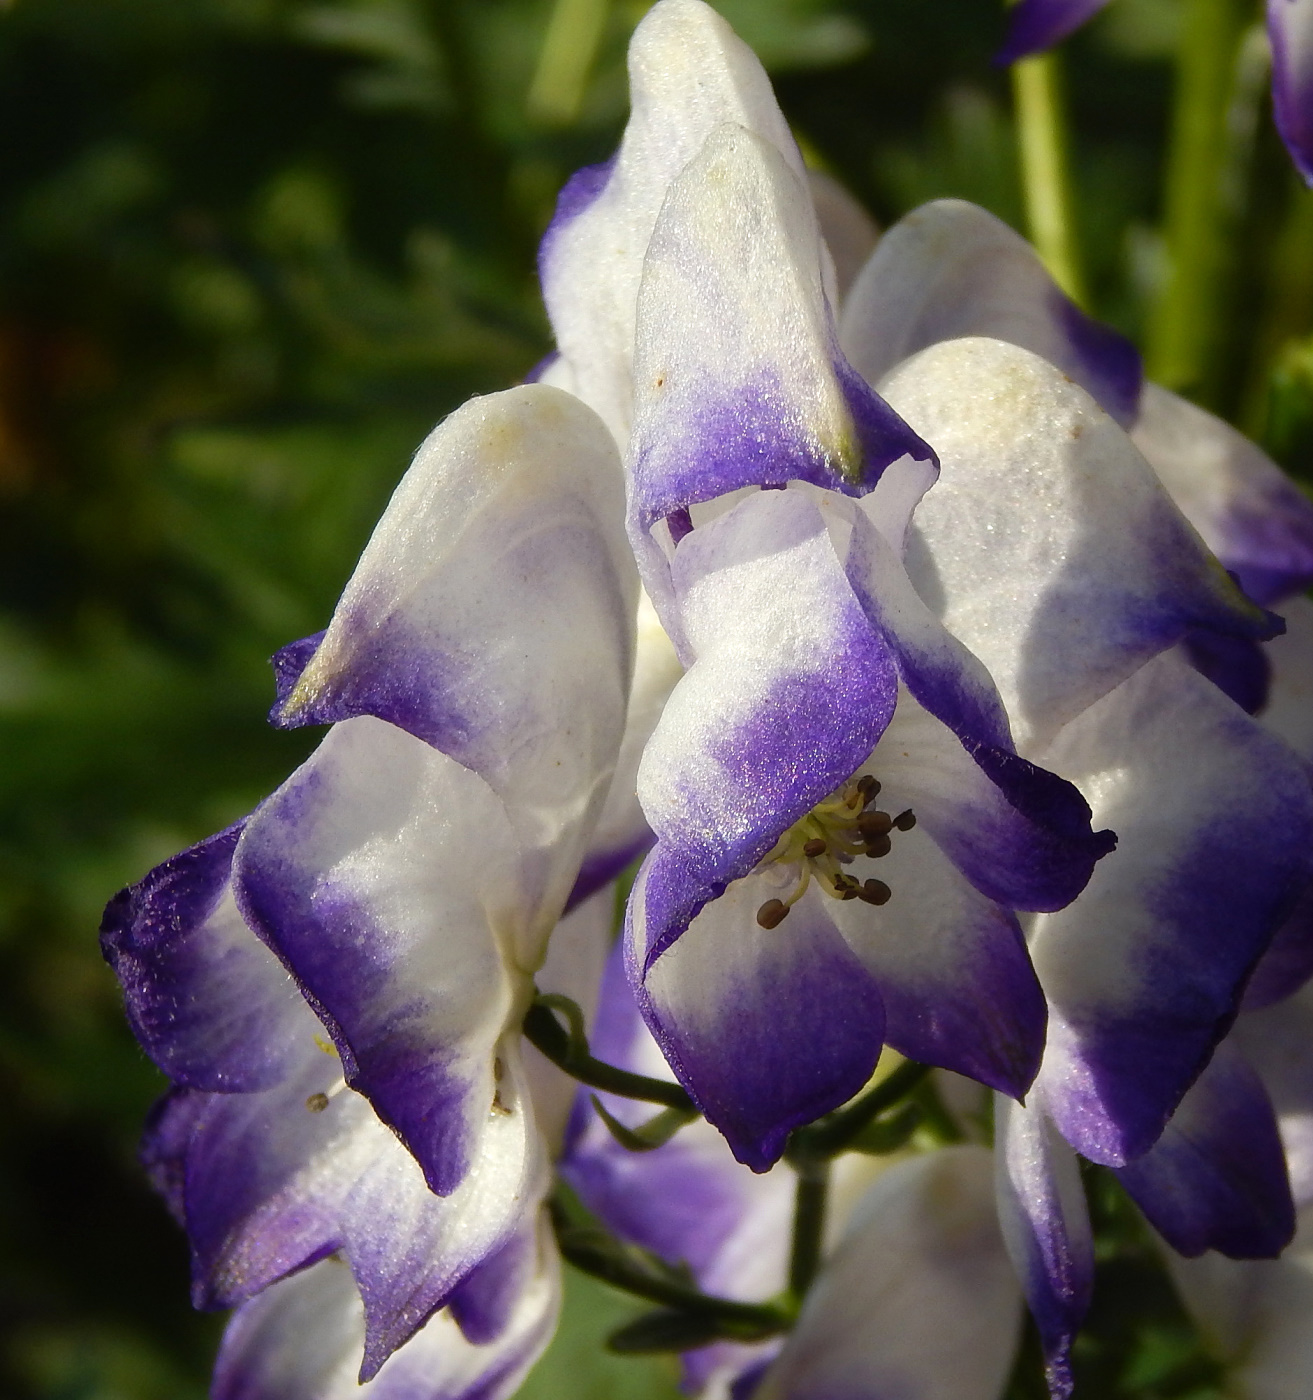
593,1251
568,1050
574,33
809,1204
829,1136
1045,175
1183,323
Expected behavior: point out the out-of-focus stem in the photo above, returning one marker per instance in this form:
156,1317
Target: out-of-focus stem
808,1225
1184,316
570,46
1045,174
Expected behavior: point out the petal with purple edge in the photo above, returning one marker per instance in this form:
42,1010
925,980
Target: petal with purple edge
688,73
1290,30
1057,556
492,612
738,375
1041,1205
208,1002
302,1340
1144,972
950,269
1216,1179
766,1028
919,1301
1039,24
1246,509
952,968
790,689
1278,1042
1287,962
386,877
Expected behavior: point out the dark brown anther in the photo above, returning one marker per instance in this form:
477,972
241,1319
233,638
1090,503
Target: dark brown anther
874,824
878,846
867,787
815,847
773,913
499,1107
874,892
316,1103
905,821
498,1069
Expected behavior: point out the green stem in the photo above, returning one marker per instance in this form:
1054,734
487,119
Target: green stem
569,49
1183,324
568,1050
1045,173
808,1226
832,1134
594,1252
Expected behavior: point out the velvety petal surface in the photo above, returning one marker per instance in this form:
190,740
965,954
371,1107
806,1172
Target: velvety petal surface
738,375
386,876
766,1028
1246,509
789,689
688,73
491,615
1290,30
1041,1206
951,965
1039,24
302,1339
208,1002
919,1301
1144,972
1051,549
1216,1179
950,269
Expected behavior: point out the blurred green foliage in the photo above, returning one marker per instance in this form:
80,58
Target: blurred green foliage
250,251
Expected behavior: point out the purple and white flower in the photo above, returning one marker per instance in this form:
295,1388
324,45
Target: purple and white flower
336,985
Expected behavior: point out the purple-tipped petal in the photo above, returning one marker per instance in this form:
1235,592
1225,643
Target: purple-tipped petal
1278,1042
1053,551
302,1340
950,269
1290,30
1287,962
1041,1205
1039,24
1216,1179
918,1302
492,613
767,1029
952,968
789,692
379,872
1238,666
1144,972
738,375
1246,509
208,1002
688,73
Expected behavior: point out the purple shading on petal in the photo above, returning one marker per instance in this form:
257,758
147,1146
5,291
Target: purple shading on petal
1290,30
579,192
1216,1179
164,1140
207,1001
288,663
1266,540
1288,962
791,1029
749,435
484,1303
601,867
541,368
1039,24
1237,666
1114,372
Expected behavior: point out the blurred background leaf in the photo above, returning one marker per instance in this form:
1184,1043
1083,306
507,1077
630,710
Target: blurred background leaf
250,252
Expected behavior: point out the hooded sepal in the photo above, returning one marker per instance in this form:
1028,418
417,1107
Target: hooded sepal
950,269
1145,971
1053,553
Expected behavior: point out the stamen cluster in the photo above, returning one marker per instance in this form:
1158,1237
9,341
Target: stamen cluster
835,832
